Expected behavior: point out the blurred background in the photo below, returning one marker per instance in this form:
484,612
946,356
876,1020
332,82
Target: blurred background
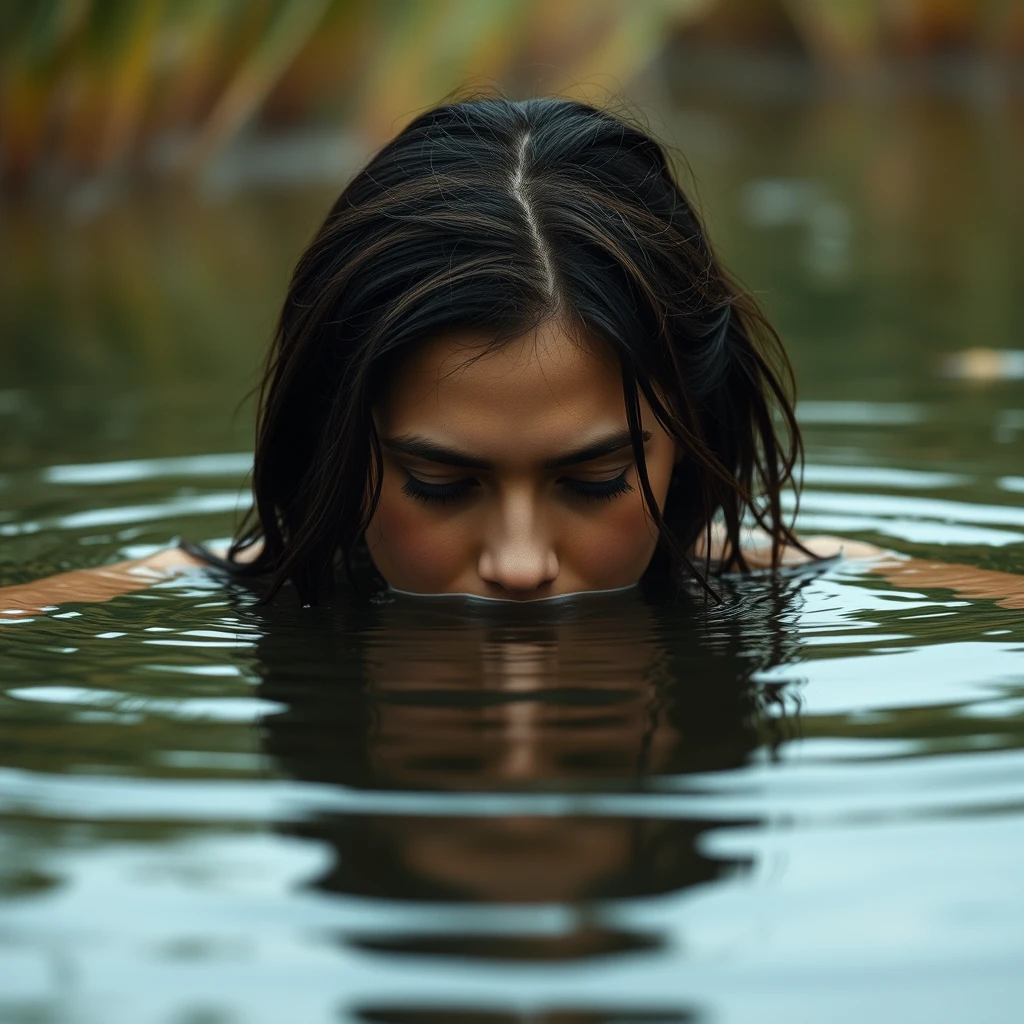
163,163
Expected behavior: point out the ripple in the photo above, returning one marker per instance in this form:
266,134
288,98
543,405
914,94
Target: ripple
974,783
866,414
173,508
218,709
918,520
877,476
233,464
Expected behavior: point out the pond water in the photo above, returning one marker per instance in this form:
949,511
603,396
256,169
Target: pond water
805,805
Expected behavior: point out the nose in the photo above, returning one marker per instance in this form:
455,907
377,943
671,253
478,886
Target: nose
517,556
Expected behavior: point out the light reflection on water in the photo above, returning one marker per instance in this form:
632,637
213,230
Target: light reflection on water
619,809
805,805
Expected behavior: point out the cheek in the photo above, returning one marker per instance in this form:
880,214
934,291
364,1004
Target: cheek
413,549
613,549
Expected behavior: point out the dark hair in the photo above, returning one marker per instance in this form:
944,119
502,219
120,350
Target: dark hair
500,215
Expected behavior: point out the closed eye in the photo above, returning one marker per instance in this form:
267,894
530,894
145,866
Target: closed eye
597,490
456,490
437,494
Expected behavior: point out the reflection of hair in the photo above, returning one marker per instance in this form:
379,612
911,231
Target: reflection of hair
498,216
698,673
700,667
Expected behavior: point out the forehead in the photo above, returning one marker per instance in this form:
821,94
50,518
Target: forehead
534,395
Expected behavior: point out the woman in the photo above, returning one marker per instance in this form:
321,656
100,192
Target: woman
509,365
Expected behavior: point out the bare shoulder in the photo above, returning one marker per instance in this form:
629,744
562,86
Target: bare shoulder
98,584
169,559
825,546
757,548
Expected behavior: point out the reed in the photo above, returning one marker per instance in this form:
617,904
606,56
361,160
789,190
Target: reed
89,87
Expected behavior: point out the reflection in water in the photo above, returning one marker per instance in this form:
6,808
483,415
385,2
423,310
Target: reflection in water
608,694
452,1016
882,879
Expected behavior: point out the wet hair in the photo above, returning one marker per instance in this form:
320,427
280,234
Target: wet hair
499,216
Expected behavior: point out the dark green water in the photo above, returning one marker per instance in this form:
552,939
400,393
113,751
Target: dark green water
805,806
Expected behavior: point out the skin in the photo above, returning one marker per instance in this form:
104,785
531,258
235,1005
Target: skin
516,525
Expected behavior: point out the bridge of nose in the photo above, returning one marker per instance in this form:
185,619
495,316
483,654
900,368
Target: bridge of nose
517,553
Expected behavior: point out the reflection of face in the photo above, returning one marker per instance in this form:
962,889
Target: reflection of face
526,707
508,473
580,697
494,710
513,859
551,712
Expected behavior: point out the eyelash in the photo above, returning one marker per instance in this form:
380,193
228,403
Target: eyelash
597,490
441,494
436,494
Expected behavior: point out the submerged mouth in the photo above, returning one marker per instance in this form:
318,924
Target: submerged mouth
512,601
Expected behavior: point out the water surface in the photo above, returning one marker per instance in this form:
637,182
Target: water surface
805,805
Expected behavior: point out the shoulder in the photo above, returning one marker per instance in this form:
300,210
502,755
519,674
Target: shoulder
757,548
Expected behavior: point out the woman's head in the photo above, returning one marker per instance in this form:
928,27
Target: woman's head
509,364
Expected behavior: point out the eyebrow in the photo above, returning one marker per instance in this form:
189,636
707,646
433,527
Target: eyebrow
422,448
